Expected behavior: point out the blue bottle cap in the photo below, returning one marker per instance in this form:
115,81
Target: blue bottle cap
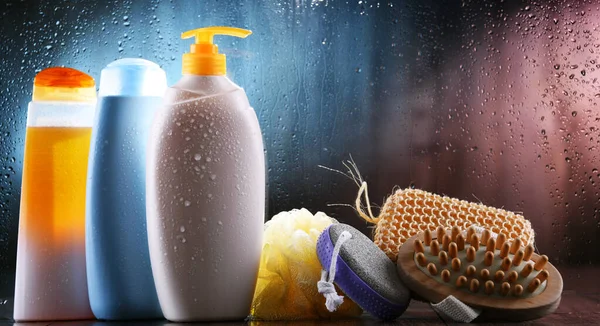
132,77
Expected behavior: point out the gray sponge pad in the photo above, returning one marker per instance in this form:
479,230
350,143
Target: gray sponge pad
371,264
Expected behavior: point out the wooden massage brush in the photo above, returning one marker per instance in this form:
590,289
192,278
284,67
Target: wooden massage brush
495,275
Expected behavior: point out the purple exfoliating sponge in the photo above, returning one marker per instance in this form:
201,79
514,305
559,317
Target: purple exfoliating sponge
362,271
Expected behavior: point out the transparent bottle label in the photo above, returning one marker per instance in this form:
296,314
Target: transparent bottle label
60,114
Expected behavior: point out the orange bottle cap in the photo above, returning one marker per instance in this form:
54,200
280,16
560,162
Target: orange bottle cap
63,84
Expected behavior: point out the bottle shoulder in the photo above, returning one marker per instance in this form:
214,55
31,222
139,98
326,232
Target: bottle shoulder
192,87
199,95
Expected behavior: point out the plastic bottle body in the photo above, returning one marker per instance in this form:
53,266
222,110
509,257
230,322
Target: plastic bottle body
51,275
205,200
118,262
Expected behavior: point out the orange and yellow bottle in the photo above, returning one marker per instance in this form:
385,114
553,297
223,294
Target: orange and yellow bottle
51,271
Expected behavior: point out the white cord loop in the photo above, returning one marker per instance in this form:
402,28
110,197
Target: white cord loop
325,285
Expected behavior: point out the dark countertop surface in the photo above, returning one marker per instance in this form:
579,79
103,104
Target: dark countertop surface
580,305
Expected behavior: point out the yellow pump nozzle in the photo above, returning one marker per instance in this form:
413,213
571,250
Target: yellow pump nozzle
204,57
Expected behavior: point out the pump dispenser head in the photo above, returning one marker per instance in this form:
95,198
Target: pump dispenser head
204,57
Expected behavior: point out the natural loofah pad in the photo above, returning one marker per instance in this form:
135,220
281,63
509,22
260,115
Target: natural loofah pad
409,211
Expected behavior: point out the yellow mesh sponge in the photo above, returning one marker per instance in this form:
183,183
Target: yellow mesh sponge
290,269
409,211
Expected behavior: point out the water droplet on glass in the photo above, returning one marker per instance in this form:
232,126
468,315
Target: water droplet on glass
187,203
197,157
574,113
213,176
220,223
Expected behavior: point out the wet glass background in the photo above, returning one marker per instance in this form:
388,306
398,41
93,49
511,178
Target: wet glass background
491,101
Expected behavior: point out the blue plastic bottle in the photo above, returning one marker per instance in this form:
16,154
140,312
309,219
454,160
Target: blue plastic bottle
119,274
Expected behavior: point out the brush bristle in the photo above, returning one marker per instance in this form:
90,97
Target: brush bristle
410,211
487,265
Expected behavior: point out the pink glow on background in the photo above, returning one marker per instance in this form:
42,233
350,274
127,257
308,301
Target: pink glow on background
511,120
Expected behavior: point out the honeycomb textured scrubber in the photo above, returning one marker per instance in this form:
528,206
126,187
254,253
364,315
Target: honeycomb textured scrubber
362,271
409,211
493,274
